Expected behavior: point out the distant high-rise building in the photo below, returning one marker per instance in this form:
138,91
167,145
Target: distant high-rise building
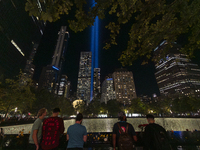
108,92
57,61
62,85
61,46
96,82
67,89
47,79
84,77
30,68
176,74
18,34
124,86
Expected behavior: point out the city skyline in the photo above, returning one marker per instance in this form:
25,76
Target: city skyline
108,59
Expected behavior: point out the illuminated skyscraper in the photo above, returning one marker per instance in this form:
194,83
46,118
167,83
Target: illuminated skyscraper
62,85
124,86
18,34
96,82
176,74
67,89
108,92
84,76
57,61
61,46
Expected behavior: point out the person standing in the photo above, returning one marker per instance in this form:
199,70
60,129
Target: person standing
155,136
52,130
36,131
123,125
76,134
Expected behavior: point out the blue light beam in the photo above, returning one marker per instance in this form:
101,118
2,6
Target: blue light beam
94,49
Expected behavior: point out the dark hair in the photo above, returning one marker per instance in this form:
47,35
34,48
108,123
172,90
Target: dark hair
121,115
79,117
56,110
41,111
149,116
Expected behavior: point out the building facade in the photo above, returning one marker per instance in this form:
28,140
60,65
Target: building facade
124,86
62,85
30,68
67,89
18,34
57,62
176,74
47,78
84,77
96,82
108,92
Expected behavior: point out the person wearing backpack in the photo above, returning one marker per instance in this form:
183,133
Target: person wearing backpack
123,134
155,136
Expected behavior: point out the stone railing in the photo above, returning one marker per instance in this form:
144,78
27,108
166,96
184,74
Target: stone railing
182,139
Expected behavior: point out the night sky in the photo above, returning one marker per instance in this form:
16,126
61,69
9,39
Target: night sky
108,59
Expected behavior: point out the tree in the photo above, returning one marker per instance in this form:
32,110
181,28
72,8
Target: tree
93,108
113,107
182,105
137,106
149,22
194,103
44,99
16,93
80,107
65,106
162,106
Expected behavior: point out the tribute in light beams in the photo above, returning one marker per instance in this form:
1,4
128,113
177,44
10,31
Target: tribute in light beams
94,49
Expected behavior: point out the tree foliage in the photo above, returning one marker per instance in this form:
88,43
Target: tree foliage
113,107
151,21
16,93
137,106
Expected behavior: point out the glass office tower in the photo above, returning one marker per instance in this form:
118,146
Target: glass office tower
52,83
84,77
176,74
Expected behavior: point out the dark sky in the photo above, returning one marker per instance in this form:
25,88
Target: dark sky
108,59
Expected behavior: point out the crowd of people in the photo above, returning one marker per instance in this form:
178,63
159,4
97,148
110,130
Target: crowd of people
45,134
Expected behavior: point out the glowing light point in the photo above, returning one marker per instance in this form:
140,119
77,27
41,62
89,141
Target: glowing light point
17,47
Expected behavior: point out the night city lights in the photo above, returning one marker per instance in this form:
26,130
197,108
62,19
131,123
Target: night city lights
94,74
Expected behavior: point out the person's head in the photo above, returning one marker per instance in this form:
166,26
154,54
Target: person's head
150,118
42,112
79,117
121,116
56,111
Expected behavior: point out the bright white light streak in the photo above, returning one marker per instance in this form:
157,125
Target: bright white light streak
17,47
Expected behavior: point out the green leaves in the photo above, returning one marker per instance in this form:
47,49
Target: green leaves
152,21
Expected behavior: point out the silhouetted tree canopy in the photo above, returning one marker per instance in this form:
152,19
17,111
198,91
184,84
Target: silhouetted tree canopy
151,22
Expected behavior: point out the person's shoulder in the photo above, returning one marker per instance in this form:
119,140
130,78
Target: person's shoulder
82,126
116,124
59,118
159,126
130,125
38,120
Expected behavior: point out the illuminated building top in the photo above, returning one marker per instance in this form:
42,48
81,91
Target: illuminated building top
176,74
84,76
124,86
